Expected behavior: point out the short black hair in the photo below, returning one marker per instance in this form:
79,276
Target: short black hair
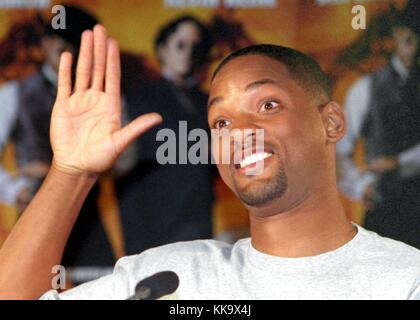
303,69
203,49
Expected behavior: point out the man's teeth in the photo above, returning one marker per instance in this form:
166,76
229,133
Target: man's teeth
254,158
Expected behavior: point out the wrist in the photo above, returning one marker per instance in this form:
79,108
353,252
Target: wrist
72,172
76,180
77,183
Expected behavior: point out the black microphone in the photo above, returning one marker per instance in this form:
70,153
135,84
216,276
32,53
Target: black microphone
156,286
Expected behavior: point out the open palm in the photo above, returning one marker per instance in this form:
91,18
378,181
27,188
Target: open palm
86,133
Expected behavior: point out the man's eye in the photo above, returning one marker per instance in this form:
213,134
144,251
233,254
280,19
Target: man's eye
269,105
221,124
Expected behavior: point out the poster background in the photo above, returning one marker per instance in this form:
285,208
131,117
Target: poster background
319,30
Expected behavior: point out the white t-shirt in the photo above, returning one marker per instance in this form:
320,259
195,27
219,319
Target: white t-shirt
367,267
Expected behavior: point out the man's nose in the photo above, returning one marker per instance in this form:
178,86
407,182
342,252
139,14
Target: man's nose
244,133
246,125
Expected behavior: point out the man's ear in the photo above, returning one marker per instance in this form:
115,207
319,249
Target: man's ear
334,121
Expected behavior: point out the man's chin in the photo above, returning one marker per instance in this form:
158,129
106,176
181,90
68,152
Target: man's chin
262,193
260,190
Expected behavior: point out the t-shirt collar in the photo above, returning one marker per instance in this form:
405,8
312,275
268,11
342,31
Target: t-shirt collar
266,261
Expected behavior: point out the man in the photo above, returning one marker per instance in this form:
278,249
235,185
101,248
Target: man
302,245
25,120
384,109
182,47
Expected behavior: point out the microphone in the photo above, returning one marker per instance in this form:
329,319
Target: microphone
156,286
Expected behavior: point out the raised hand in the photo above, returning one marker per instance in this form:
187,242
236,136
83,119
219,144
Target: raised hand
86,133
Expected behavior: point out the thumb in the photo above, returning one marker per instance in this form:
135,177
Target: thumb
134,129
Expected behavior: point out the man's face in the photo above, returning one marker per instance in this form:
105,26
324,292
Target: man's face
406,45
177,54
257,92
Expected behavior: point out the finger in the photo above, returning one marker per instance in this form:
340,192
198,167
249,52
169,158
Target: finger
113,69
64,76
84,63
134,129
99,56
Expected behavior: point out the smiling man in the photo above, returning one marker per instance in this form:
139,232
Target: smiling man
302,245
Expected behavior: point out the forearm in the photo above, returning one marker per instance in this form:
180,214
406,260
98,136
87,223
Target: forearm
38,240
86,136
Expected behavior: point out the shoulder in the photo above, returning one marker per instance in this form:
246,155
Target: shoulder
34,76
32,81
393,255
197,248
194,262
385,70
179,252
381,76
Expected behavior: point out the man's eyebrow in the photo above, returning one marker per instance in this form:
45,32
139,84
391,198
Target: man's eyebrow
252,85
214,101
258,83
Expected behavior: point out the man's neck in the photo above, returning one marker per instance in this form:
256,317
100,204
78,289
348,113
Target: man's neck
315,226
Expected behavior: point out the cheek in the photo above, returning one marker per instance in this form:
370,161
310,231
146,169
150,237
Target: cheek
173,57
169,56
299,140
176,53
180,62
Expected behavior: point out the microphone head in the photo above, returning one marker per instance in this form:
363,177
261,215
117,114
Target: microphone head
158,285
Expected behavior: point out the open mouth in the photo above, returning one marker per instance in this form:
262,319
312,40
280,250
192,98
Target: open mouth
253,160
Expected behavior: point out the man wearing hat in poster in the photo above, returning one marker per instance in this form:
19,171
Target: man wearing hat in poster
384,109
24,119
